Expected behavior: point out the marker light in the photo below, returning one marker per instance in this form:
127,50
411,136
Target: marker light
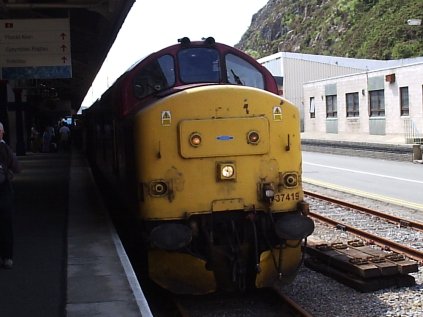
195,139
158,188
290,180
253,137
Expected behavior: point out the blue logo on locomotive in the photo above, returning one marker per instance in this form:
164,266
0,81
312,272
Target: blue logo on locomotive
224,137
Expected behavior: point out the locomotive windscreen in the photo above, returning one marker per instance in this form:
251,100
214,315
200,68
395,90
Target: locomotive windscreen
241,72
199,65
154,77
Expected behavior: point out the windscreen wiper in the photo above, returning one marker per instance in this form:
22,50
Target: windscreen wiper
236,77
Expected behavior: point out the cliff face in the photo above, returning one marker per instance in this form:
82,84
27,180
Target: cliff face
377,29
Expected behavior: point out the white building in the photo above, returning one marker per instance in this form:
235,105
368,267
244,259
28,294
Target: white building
294,70
386,102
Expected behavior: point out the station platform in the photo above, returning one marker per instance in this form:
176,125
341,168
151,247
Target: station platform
388,147
395,139
68,259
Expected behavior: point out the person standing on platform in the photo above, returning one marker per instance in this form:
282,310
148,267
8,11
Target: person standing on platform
34,140
64,133
46,140
9,166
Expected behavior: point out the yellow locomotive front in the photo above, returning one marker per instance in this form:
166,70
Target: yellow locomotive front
220,193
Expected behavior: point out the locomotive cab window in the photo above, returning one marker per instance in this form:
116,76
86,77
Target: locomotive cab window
199,65
154,77
241,72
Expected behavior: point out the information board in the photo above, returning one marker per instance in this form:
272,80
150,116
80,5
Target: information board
35,48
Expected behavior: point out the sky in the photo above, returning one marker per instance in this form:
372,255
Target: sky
154,24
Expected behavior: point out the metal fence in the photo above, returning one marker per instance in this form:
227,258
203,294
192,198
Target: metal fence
412,134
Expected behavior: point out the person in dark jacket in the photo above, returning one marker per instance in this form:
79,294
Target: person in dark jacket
9,166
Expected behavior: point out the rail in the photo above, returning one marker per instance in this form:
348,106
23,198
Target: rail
382,242
400,221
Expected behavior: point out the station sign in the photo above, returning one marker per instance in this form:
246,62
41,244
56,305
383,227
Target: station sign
35,48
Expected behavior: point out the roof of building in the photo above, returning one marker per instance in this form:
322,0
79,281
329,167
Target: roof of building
358,63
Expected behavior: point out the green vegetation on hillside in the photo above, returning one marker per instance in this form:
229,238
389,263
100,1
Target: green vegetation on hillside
375,29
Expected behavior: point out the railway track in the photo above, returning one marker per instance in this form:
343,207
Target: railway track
363,248
294,307
394,219
261,302
411,247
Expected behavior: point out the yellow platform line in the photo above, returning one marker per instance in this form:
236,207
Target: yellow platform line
361,193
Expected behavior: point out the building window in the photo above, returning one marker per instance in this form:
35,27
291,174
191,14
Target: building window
377,103
312,108
404,103
331,107
352,104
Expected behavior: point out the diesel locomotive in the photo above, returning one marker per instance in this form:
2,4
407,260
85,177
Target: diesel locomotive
205,154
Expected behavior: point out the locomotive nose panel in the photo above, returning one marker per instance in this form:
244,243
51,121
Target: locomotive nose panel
224,137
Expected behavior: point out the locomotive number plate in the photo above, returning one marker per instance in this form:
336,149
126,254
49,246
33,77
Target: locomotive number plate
287,196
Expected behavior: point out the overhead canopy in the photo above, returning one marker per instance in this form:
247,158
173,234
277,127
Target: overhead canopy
93,25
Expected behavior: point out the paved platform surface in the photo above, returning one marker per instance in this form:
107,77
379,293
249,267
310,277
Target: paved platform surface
68,259
388,147
355,138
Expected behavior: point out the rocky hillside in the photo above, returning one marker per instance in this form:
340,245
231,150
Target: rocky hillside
377,29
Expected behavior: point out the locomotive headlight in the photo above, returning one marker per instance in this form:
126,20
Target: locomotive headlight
253,137
226,171
195,139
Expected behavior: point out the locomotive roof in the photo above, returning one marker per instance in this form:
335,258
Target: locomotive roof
123,87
